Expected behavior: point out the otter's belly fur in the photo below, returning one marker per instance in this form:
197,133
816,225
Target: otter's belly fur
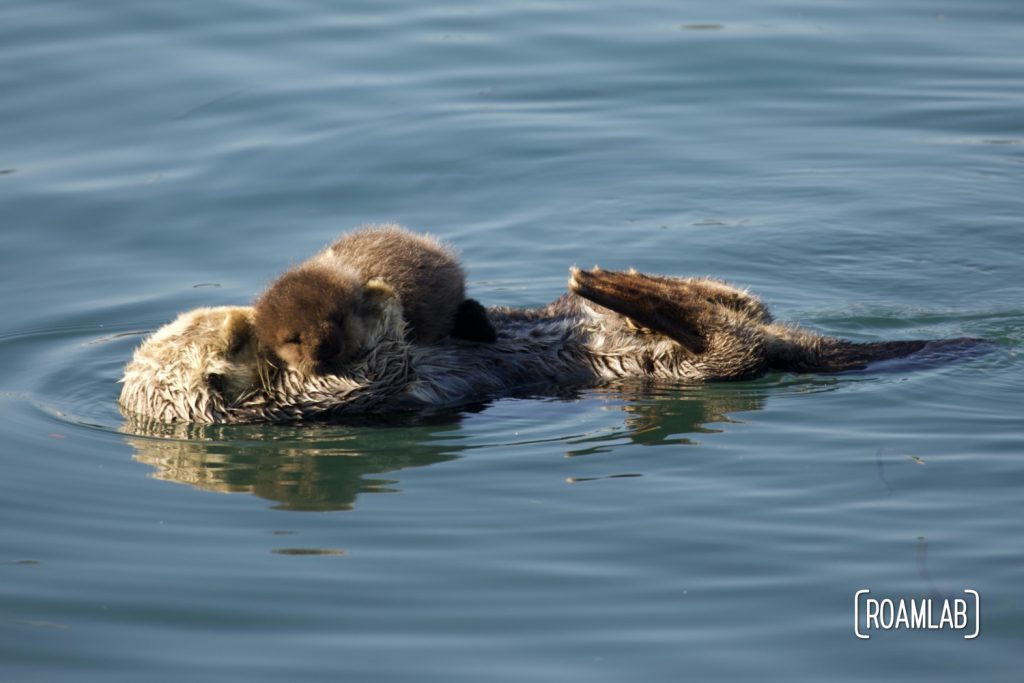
205,368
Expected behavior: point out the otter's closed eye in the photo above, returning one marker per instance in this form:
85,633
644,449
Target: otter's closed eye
294,339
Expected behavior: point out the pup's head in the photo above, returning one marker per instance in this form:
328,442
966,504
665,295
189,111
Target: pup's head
317,318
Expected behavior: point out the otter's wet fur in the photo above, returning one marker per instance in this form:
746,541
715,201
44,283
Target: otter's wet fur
193,368
315,316
612,325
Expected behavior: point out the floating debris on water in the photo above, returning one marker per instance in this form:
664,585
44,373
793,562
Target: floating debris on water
308,551
577,480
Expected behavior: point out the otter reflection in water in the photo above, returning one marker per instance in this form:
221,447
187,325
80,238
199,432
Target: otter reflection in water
327,468
207,367
325,472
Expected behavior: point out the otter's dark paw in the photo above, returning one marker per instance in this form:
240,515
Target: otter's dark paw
472,323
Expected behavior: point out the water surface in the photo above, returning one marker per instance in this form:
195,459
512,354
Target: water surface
858,164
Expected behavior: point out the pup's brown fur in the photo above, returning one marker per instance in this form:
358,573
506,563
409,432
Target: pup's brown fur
314,317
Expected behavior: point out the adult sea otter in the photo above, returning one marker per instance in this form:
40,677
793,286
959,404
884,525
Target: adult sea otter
208,367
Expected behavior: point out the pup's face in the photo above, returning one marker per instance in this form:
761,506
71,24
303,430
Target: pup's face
313,319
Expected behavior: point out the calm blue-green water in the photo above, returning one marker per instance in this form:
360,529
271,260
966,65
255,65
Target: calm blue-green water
859,164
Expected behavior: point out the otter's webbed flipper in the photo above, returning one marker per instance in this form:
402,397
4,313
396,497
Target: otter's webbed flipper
663,305
472,323
713,292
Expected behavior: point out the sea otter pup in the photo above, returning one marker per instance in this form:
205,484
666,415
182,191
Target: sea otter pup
612,325
315,316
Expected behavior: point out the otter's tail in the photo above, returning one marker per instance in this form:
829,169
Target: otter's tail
934,353
801,351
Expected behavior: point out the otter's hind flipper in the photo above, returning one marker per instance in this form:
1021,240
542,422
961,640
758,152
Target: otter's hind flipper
659,304
472,323
714,291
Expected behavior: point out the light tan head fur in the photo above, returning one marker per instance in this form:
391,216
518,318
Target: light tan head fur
197,366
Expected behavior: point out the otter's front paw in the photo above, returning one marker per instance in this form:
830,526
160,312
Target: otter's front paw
472,323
